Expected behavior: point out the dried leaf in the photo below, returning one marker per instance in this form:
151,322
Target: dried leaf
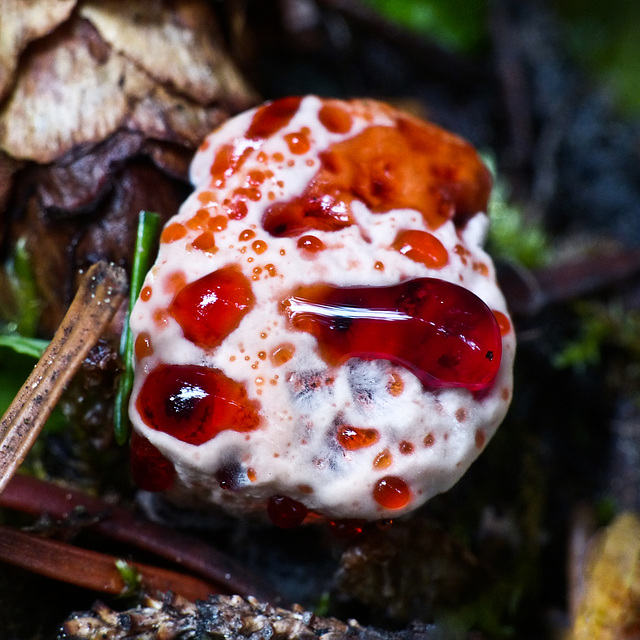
72,90
174,42
22,22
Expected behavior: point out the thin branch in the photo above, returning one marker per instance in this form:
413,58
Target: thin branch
90,569
37,497
98,298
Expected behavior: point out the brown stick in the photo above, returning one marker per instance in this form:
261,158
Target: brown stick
90,569
98,298
37,497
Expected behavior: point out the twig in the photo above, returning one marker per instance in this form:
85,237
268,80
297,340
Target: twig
90,569
98,298
37,497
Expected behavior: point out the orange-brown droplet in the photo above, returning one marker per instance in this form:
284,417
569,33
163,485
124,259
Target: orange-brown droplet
161,318
271,270
145,294
282,353
312,244
174,282
405,447
142,346
173,232
247,234
395,385
299,141
206,197
480,438
481,268
429,440
199,220
205,242
251,474
256,177
379,266
218,223
305,488
334,118
383,460
423,247
259,246
391,492
353,438
503,322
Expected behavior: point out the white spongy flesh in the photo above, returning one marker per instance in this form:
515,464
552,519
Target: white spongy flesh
428,438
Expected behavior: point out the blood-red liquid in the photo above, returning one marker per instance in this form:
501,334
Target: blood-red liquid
286,512
272,117
391,492
210,308
194,403
150,470
441,332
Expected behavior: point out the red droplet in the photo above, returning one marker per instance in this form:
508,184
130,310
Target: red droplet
194,403
285,512
353,438
391,492
441,332
272,117
310,244
423,247
298,142
210,308
150,470
335,118
312,210
503,322
228,159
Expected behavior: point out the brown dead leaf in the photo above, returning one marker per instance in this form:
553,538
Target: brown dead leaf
22,22
116,98
72,90
166,116
177,43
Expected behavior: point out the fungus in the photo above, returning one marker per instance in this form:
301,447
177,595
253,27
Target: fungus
336,320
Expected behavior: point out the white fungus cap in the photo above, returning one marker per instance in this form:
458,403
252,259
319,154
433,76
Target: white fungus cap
361,438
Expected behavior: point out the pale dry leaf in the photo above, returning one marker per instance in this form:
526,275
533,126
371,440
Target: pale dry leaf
166,116
176,42
72,90
21,22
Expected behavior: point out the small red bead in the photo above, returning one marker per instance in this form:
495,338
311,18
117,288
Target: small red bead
285,512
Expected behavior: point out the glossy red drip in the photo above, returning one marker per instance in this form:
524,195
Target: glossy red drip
413,165
392,492
150,470
194,404
286,512
315,209
441,332
228,159
272,117
210,308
